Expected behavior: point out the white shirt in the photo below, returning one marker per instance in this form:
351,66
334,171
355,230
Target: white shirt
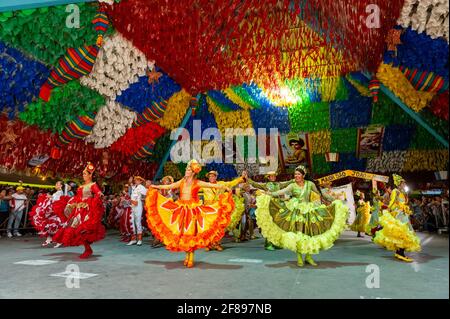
56,196
19,200
138,192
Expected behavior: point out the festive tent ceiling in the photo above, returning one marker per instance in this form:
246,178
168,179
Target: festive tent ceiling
206,44
293,65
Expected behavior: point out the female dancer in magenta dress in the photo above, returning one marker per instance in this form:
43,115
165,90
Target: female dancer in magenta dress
85,212
187,224
47,216
124,212
397,233
302,224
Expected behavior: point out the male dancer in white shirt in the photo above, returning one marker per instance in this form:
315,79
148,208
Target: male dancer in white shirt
138,193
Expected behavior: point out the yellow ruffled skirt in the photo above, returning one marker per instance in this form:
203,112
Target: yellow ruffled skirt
362,219
396,235
305,228
237,213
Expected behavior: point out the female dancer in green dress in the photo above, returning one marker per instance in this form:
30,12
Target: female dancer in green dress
302,224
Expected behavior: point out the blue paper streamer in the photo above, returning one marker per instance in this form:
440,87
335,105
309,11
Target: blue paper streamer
354,112
397,137
141,94
21,79
420,51
348,161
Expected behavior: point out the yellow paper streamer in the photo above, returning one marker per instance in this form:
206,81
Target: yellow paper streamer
237,119
175,111
233,97
429,160
396,81
320,142
328,88
360,88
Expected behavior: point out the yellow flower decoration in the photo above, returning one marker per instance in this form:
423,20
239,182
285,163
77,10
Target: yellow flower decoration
175,111
237,119
233,97
320,142
396,81
429,160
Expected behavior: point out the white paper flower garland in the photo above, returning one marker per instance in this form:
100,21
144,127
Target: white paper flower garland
111,122
415,15
388,162
119,64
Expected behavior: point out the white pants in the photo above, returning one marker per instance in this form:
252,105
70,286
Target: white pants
136,218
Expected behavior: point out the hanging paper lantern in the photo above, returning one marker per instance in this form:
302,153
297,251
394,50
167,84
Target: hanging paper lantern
374,88
194,104
101,24
55,153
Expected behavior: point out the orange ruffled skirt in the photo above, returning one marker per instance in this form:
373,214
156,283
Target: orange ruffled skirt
187,225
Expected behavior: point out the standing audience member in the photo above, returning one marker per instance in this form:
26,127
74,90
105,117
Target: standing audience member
4,207
18,205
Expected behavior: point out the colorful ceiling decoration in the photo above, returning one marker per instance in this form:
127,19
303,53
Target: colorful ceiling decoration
207,45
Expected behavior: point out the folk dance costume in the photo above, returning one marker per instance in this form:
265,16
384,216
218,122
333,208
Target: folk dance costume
271,186
362,215
47,216
376,212
301,224
125,218
168,193
85,212
211,195
397,233
137,197
187,224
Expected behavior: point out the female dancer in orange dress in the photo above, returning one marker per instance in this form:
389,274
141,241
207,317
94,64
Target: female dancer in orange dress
187,224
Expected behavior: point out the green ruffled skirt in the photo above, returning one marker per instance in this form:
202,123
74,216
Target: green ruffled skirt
304,228
236,215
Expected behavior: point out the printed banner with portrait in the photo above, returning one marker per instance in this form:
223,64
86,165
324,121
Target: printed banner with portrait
294,151
370,141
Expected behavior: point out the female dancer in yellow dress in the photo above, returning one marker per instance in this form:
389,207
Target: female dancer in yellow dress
397,233
302,224
211,195
187,224
362,215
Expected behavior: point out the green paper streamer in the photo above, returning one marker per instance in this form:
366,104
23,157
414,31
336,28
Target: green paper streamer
386,113
344,140
309,117
67,102
320,165
43,32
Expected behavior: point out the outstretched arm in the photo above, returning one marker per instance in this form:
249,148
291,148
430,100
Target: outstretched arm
283,191
233,183
170,186
257,185
210,185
